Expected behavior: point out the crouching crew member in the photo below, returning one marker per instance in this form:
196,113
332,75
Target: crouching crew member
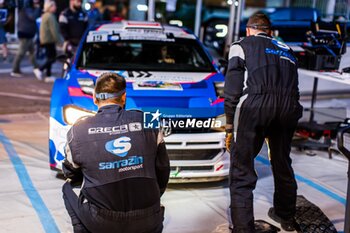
124,167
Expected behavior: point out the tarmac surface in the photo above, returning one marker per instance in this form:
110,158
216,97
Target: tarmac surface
31,199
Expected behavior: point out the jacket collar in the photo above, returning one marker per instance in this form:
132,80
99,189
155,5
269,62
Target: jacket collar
263,34
110,108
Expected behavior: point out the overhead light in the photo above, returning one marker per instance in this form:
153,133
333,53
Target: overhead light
236,3
142,7
229,2
176,22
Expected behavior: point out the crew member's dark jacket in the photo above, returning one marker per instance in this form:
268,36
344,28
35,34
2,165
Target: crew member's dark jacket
73,25
27,27
259,65
125,167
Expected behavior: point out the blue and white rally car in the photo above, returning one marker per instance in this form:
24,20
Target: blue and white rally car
170,77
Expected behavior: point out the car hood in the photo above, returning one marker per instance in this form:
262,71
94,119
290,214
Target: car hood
183,91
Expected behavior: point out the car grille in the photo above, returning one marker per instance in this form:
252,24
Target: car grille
193,154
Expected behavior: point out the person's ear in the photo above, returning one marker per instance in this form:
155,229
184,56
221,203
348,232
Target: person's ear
247,31
95,100
124,99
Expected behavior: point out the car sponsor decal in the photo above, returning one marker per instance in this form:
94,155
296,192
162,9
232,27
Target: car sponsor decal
156,85
110,34
136,31
217,101
97,37
166,77
139,74
140,24
77,92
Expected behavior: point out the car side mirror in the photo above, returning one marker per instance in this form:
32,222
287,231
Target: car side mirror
343,139
223,63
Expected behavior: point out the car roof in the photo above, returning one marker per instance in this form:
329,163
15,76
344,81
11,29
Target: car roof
127,29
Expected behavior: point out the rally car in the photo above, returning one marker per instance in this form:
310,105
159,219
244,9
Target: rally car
170,77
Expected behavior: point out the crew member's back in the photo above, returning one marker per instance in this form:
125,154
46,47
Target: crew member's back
117,159
125,168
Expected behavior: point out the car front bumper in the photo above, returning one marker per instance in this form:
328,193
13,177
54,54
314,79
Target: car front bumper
197,157
194,157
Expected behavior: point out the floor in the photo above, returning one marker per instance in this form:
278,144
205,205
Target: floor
30,197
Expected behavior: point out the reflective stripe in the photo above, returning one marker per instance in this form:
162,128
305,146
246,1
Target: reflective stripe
69,156
236,51
67,149
62,19
268,148
237,113
245,86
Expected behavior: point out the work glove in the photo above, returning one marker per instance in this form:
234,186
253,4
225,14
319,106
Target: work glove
229,137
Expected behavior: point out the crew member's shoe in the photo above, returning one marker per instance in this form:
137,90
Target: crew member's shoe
16,74
50,79
38,74
287,225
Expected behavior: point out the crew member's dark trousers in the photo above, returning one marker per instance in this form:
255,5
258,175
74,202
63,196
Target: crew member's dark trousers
87,217
25,45
51,57
276,122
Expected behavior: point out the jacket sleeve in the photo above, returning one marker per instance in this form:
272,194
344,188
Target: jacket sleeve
33,14
162,164
63,24
234,81
70,167
54,28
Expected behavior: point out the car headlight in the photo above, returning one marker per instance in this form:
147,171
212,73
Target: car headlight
87,85
220,120
72,114
219,89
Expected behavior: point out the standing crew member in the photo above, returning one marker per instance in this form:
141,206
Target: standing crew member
73,23
27,29
125,167
49,37
261,101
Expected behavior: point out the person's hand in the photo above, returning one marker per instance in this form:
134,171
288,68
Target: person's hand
229,136
228,140
67,47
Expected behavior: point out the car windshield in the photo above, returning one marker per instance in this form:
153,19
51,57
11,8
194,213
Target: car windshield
181,55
